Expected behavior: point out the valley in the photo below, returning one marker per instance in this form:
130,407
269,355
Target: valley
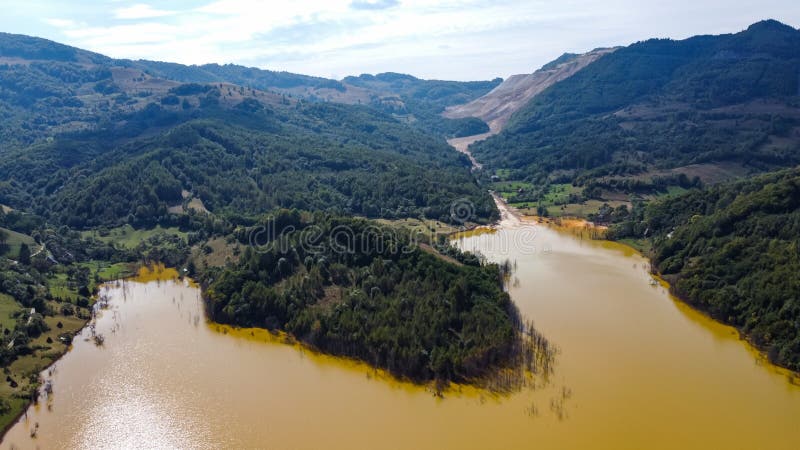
593,299
600,253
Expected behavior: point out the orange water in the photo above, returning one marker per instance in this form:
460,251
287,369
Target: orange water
636,369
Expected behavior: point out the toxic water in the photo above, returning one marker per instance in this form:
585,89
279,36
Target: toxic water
635,369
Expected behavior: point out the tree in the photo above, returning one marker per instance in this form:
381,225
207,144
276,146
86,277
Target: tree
24,254
3,240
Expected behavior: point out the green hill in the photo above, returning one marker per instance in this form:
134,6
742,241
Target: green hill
90,141
158,161
392,305
658,113
733,250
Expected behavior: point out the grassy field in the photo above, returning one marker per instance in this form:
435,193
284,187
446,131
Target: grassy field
59,285
508,189
16,239
129,237
503,174
581,210
556,194
195,204
107,271
7,306
216,252
670,192
556,200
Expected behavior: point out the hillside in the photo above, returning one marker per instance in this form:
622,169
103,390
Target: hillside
392,305
497,107
414,101
91,141
107,164
733,250
656,116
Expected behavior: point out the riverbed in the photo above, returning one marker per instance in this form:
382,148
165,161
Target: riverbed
635,369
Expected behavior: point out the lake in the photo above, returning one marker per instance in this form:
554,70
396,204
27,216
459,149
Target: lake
635,369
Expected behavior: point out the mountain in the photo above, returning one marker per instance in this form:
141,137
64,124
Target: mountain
422,102
412,100
90,141
415,101
497,107
657,115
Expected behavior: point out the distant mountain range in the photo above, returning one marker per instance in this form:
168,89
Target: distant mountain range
88,141
409,99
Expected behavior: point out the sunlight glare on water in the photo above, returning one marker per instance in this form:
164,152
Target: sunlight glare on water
635,369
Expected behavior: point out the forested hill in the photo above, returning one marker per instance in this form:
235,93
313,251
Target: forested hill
104,165
707,106
385,301
733,250
415,101
87,142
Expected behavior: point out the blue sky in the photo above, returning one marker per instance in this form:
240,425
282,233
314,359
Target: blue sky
447,39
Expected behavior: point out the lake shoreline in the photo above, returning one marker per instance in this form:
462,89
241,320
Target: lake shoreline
792,376
26,405
158,272
87,323
459,393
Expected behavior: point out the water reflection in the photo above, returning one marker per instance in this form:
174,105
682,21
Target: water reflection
635,370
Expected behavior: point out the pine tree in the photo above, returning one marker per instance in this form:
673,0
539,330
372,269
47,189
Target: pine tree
24,254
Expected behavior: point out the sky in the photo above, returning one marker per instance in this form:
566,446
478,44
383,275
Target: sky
443,39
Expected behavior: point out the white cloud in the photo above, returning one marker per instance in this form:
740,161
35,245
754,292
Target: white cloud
124,35
61,23
140,11
455,39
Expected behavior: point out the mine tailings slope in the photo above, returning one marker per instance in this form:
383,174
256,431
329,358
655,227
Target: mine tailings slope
497,107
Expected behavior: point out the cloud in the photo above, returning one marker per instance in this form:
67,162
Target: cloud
374,4
61,23
140,11
449,39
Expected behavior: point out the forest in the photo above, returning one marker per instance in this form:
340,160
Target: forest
105,166
733,251
659,105
130,158
351,288
341,159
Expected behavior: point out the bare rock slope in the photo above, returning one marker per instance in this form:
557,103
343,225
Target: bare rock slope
496,107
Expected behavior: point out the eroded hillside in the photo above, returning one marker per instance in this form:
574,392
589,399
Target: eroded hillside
497,107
